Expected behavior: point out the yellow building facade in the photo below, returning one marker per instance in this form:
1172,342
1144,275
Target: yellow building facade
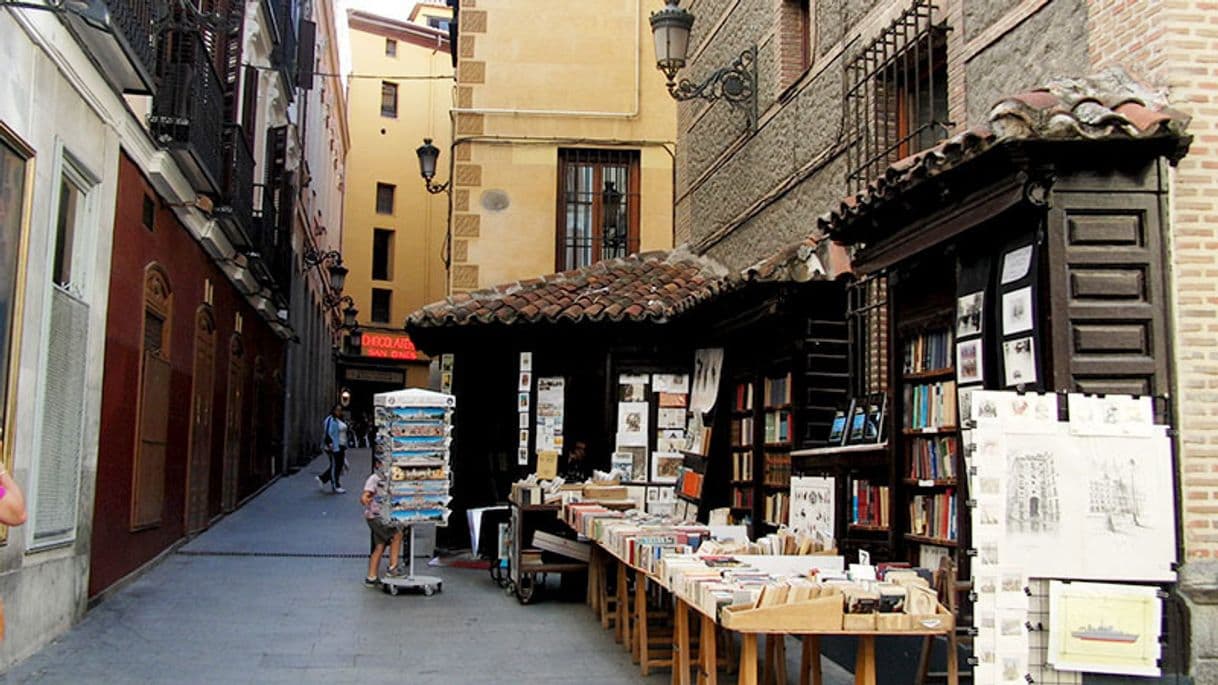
394,231
563,140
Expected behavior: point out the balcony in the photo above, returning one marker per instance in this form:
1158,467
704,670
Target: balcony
272,256
188,110
283,53
118,35
235,211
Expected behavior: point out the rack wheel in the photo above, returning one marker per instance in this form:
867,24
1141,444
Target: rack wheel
524,591
440,587
428,591
393,590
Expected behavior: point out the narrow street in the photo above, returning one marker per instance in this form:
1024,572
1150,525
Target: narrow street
272,594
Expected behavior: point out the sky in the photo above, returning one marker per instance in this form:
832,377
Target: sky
395,9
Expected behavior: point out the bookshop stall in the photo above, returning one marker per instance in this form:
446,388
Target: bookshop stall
1010,384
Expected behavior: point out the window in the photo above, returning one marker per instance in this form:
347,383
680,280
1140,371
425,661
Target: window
382,254
55,488
896,95
795,40
149,213
389,99
381,301
438,23
599,213
13,170
384,198
391,47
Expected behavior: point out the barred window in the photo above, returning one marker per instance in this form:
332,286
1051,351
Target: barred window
599,212
867,317
896,94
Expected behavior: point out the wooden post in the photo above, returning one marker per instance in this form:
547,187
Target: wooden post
864,664
809,666
748,659
681,665
709,674
619,634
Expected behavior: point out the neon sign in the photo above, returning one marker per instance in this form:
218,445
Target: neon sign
388,346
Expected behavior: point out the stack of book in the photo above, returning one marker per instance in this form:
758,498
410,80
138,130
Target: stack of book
933,516
869,505
933,458
778,391
742,466
930,405
930,351
777,427
778,469
744,397
777,508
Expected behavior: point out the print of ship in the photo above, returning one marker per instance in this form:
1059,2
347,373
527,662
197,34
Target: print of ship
1103,633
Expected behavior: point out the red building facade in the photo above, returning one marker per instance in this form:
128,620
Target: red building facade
192,395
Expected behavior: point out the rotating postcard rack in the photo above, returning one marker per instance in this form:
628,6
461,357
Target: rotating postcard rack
414,433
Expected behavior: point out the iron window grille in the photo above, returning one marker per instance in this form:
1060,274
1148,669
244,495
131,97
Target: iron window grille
867,318
896,94
598,214
389,99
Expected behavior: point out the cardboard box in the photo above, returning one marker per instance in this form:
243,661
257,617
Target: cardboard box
605,492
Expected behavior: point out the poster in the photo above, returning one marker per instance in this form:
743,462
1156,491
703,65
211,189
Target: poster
632,387
969,314
547,464
812,506
1104,628
623,463
665,466
1015,264
708,364
1017,311
1111,415
968,361
550,394
632,417
670,417
1019,361
677,383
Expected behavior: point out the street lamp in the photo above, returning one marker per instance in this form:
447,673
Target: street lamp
428,156
333,262
737,83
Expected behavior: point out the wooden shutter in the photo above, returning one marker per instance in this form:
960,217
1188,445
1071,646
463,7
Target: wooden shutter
55,507
304,54
148,500
249,103
1107,292
198,470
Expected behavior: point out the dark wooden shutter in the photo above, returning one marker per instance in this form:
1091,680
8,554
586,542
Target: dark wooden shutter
304,54
148,498
1107,284
249,103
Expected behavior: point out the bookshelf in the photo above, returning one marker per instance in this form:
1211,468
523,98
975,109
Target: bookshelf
743,481
777,442
929,440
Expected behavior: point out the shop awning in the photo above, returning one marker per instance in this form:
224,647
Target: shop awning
1107,108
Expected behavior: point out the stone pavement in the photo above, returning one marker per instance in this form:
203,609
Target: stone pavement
242,603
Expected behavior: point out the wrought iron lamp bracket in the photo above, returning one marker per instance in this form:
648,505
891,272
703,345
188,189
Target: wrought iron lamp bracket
737,84
437,188
332,301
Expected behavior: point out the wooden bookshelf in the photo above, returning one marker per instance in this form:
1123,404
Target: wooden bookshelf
922,539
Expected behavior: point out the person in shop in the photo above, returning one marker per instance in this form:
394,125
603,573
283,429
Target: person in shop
382,533
334,442
576,469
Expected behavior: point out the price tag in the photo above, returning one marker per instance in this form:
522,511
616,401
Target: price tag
926,483
929,429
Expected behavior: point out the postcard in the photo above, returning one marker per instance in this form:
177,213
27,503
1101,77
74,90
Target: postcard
1017,311
969,311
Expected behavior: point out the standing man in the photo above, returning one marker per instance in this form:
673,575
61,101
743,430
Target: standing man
335,444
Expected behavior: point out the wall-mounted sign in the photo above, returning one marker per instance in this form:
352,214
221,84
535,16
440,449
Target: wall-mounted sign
375,376
387,346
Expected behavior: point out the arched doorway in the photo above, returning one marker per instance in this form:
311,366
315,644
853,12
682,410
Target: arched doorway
152,422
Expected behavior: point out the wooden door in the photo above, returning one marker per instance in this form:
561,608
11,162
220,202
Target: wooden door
149,500
232,425
198,469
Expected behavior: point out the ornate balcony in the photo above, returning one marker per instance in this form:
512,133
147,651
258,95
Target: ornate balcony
188,110
235,210
118,35
283,53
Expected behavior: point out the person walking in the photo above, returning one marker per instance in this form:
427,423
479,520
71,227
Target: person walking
335,444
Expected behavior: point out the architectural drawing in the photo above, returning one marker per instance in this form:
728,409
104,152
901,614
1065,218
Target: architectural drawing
1032,502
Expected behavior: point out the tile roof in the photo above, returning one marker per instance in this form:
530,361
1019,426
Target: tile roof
651,286
1107,106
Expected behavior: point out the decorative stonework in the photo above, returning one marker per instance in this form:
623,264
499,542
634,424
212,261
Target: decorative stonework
467,225
460,250
461,199
465,276
469,175
470,124
471,72
473,21
465,47
465,97
464,153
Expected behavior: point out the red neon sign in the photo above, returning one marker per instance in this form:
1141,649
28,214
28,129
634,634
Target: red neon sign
388,346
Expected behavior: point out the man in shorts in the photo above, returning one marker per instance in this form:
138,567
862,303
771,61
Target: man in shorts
373,498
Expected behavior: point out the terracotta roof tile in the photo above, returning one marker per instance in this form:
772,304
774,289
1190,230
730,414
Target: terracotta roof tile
653,286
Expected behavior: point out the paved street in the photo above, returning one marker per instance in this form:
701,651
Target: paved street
241,604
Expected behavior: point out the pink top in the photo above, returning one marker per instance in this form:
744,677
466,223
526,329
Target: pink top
2,492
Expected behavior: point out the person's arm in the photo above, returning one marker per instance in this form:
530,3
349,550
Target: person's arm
365,497
12,504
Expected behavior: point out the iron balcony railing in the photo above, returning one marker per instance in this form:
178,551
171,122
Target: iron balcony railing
237,196
188,110
272,237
